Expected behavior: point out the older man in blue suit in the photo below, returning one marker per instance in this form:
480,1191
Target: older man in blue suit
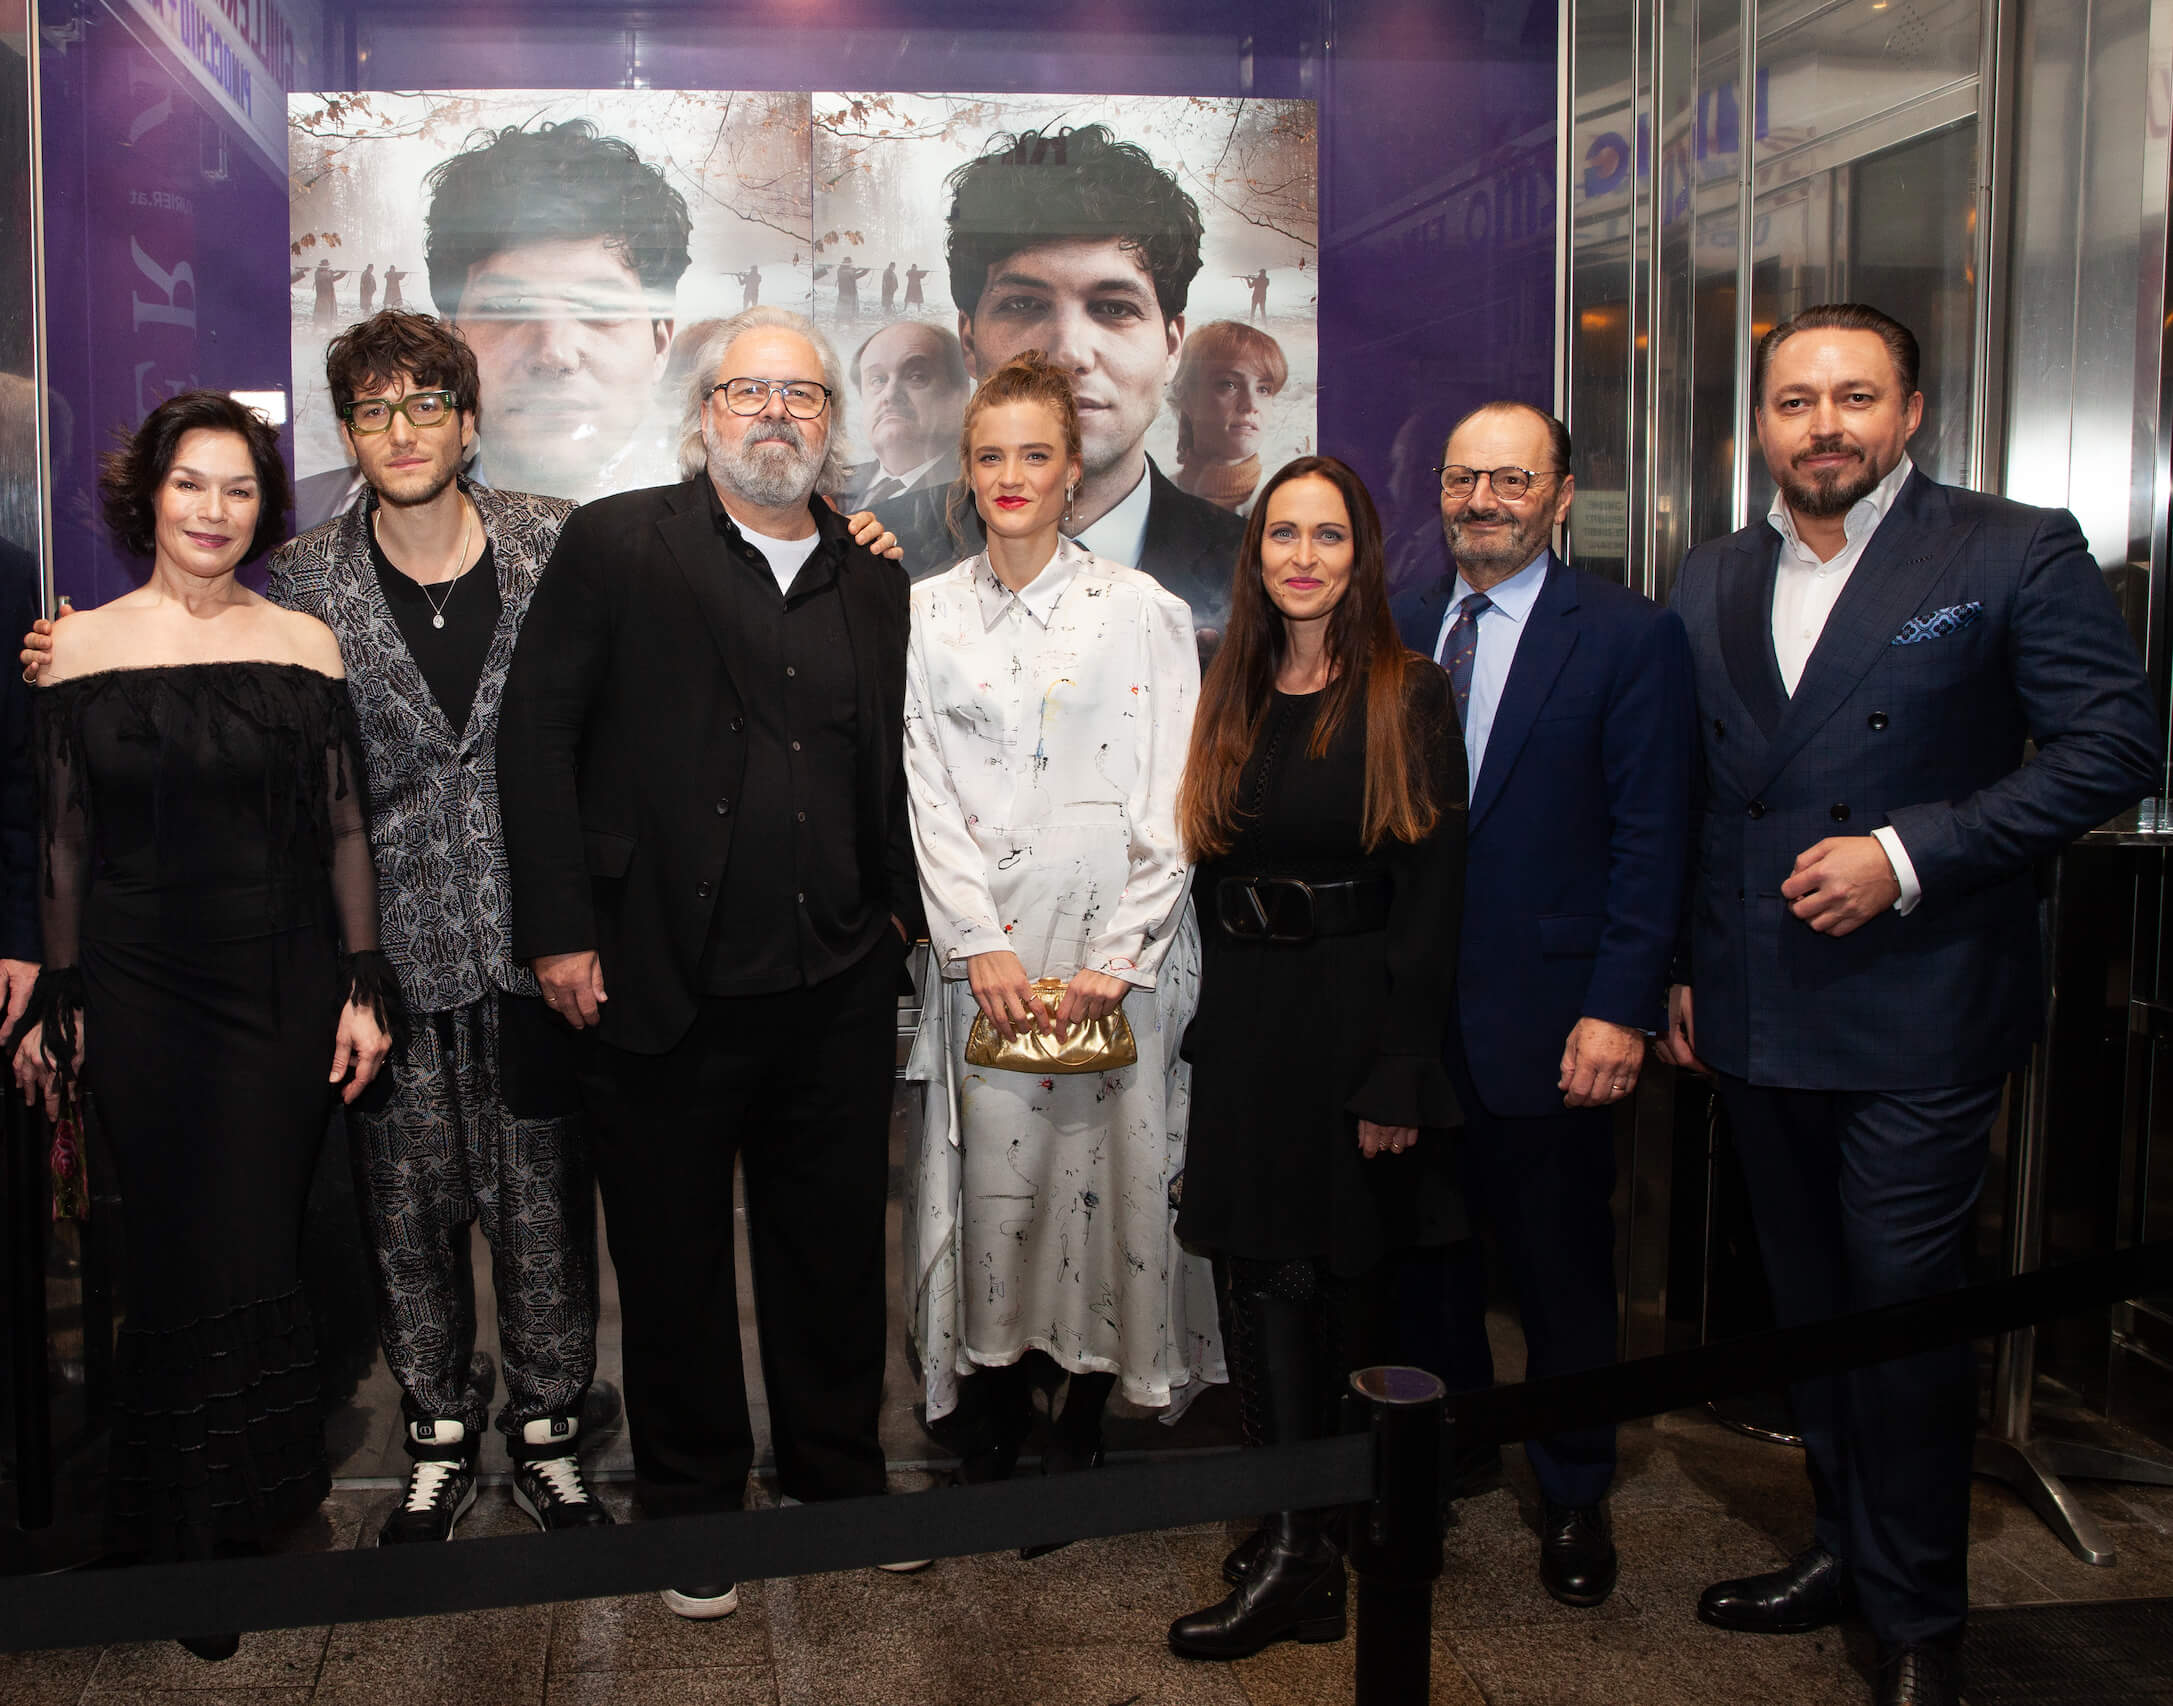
1575,695
1871,660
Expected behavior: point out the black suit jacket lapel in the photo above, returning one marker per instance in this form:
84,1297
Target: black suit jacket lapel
1549,637
690,535
1904,560
1745,598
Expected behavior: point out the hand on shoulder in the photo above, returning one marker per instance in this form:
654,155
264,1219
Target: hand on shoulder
83,644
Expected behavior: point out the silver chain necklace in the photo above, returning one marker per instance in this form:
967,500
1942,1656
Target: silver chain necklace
460,558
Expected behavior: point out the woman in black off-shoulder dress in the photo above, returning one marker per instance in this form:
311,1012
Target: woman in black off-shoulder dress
206,863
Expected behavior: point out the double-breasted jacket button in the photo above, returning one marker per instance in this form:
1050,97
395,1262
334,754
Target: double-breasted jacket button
1877,721
1840,813
724,808
1756,809
701,891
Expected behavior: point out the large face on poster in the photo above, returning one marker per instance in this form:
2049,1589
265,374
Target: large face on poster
1160,249
577,240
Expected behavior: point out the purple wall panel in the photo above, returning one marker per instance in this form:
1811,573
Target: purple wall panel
168,245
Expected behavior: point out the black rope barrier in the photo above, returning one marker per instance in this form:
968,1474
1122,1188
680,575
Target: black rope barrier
1374,1470
1652,1386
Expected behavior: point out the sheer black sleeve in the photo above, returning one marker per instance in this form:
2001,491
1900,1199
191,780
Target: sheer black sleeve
62,787
371,980
1408,1084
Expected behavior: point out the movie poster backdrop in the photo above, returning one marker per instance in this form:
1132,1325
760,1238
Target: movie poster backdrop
882,202
576,264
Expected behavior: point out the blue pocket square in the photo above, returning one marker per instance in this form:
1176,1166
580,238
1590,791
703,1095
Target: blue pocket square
1939,624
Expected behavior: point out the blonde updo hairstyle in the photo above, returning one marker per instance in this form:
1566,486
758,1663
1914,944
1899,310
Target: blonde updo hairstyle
1029,377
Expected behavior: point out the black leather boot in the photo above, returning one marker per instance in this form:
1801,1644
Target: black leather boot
1294,1591
999,1414
1075,1440
1293,1587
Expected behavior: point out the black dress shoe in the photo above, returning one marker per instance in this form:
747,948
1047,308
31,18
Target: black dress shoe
1576,1553
1815,1589
212,1649
1919,1676
1294,1591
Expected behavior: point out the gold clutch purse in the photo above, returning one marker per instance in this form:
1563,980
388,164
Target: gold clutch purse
1097,1045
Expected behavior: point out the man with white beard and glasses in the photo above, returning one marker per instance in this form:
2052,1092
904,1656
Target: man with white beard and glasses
701,766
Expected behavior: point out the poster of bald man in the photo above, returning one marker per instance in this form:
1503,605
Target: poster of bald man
576,239
1162,249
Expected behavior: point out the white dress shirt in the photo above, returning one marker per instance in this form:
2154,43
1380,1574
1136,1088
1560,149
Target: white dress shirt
1121,536
1501,626
1805,590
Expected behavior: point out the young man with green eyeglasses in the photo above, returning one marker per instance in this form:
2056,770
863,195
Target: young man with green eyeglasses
425,580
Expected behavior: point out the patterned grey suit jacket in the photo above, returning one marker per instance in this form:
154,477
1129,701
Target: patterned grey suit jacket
443,899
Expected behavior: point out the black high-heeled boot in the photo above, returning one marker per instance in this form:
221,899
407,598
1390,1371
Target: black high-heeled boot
1075,1440
999,1406
1292,1585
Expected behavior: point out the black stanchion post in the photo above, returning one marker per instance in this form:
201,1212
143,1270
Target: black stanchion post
26,1190
1396,1538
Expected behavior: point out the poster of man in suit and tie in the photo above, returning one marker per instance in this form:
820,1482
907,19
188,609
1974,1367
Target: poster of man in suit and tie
1102,230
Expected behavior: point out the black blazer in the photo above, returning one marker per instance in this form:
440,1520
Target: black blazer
1191,546
621,750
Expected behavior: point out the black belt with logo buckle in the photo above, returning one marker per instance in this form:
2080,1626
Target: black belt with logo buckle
1290,909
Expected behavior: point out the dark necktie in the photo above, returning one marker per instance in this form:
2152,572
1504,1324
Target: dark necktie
1461,650
888,487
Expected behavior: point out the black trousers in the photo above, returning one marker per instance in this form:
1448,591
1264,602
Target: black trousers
1545,1186
798,1087
1862,1199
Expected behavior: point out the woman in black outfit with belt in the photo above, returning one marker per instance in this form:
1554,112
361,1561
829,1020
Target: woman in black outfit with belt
1323,804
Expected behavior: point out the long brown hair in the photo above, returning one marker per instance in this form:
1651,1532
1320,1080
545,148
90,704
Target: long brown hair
1028,377
1365,658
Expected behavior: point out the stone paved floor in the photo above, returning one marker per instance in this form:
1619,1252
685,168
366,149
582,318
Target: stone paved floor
1083,1627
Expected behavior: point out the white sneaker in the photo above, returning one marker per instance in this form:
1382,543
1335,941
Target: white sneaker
702,1604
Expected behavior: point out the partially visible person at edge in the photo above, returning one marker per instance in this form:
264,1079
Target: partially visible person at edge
1875,662
1040,1223
699,762
1228,376
1079,245
20,950
1323,804
212,974
1574,695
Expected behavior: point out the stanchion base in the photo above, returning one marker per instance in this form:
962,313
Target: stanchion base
2033,1469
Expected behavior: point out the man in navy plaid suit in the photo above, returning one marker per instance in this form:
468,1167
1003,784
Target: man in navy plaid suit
1862,928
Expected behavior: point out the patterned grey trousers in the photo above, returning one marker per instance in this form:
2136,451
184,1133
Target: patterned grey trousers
443,1153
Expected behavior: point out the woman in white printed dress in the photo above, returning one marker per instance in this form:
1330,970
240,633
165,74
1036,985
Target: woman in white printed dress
1049,697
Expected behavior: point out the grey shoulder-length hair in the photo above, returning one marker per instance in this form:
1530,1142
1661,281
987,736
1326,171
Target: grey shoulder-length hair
694,454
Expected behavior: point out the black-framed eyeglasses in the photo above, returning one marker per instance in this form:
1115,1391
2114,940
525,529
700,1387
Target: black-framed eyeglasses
1457,481
420,408
804,399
